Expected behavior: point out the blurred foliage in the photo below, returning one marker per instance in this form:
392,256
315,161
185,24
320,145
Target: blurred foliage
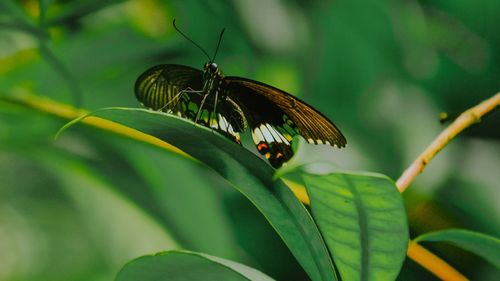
381,70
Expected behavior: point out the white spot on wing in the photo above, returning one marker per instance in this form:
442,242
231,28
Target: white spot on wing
274,133
257,135
266,133
223,125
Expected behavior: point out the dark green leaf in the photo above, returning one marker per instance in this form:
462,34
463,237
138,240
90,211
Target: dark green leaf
248,173
183,265
485,246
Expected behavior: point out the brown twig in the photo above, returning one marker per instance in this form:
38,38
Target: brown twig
466,119
416,252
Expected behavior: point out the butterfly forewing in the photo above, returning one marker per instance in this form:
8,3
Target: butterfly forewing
310,123
275,117
162,87
178,89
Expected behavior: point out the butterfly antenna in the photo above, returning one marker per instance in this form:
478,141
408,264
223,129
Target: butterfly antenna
189,39
218,43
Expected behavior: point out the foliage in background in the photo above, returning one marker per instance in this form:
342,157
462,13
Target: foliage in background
381,70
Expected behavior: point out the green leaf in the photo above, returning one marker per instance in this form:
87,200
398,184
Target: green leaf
485,246
183,265
361,215
247,173
363,221
308,158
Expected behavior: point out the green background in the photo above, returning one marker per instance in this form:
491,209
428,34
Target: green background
381,70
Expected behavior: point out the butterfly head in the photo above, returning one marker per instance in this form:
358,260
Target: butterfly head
211,70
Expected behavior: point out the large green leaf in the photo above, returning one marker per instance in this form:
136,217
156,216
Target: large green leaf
363,221
183,265
361,215
247,173
485,246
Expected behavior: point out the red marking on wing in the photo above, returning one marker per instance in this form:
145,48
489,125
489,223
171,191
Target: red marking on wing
261,146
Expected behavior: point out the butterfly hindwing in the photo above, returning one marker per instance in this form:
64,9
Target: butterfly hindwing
272,144
230,120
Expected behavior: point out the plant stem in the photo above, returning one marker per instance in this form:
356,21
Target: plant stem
69,113
433,263
466,119
469,117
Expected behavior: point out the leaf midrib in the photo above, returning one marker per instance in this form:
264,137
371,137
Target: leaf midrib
363,227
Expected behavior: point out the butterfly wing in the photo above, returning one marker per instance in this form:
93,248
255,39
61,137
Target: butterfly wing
178,89
275,117
161,87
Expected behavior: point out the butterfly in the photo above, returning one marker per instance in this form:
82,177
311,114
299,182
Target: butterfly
229,105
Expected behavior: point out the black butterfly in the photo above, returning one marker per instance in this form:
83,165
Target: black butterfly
231,104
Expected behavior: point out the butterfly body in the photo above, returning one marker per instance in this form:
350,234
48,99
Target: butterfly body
231,104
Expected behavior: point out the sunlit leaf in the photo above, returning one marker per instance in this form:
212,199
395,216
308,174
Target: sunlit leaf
363,221
361,217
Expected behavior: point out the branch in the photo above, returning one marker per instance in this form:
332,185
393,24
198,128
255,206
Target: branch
466,119
433,263
469,117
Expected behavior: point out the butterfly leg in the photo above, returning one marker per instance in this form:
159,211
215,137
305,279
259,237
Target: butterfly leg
193,91
176,99
200,109
214,112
